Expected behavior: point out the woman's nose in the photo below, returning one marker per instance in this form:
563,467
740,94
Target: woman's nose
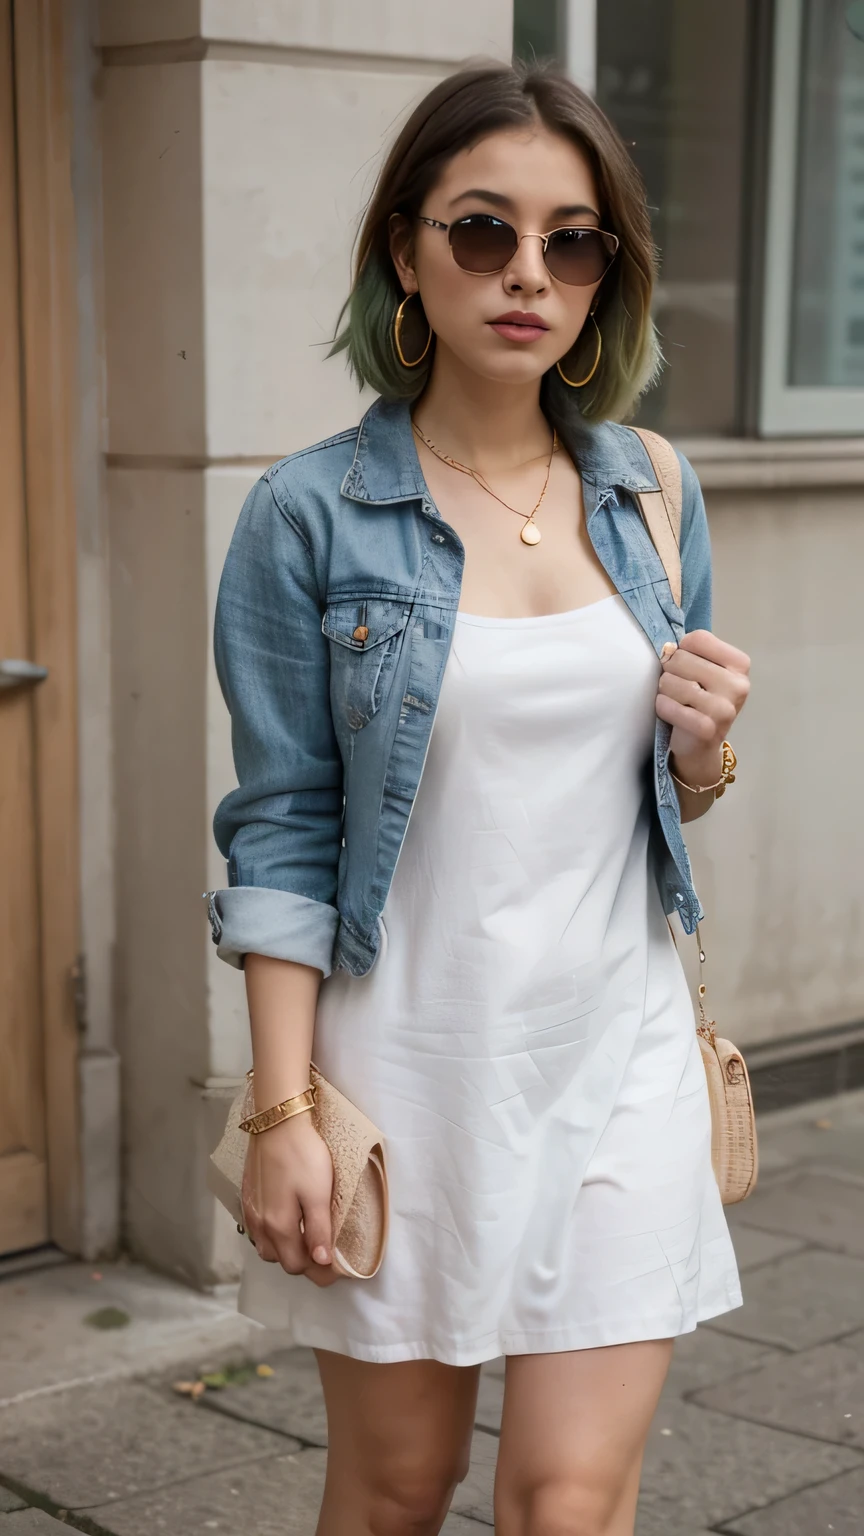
527,272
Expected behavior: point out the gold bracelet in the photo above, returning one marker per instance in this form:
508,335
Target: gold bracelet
727,775
265,1119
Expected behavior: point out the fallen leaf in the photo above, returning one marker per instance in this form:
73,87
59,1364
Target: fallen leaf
264,1370
108,1317
185,1388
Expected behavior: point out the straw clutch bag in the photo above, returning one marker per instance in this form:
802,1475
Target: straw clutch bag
359,1206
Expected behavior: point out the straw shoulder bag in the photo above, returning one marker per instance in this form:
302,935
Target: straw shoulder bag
359,1203
734,1146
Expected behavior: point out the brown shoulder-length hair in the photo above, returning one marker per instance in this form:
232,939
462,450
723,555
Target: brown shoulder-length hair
454,115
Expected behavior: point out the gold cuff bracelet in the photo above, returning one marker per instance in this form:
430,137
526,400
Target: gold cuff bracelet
265,1119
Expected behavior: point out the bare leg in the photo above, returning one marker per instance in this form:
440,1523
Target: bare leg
399,1442
572,1439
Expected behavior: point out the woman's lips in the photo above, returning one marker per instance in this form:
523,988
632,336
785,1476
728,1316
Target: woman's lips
517,327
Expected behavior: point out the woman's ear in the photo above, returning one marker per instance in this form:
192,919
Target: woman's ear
402,251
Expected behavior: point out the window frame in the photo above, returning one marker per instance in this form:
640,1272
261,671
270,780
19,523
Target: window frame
580,42
791,410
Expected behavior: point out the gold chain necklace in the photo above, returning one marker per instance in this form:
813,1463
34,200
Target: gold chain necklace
529,533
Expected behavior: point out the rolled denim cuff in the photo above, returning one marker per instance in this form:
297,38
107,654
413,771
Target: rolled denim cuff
252,919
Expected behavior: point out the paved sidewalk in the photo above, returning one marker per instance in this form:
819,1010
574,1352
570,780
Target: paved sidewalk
760,1431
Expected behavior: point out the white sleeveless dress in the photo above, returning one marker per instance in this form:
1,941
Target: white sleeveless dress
525,1040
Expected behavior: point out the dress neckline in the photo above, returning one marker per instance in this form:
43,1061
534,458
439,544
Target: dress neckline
530,620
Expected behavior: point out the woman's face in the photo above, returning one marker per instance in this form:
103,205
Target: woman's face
537,181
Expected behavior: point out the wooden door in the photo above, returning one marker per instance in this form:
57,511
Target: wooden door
23,1164
39,870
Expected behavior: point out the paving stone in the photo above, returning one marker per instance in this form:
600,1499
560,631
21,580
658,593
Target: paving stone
712,1469
831,1509
9,1501
290,1402
473,1497
754,1247
97,1444
813,1206
823,1135
808,1298
699,1359
490,1402
31,1522
703,1358
819,1392
280,1496
47,1340
496,1367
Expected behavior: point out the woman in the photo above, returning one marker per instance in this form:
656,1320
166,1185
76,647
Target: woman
506,1003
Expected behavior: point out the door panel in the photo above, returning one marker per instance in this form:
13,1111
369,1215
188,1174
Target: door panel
23,1173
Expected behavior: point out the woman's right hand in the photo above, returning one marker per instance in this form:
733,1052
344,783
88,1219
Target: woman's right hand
289,1177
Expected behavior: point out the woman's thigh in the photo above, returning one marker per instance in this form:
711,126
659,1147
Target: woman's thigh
572,1438
399,1440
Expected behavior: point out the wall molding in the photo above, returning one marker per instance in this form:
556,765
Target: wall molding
199,50
804,1068
192,462
748,464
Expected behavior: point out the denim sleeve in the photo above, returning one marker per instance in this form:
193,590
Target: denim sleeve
695,553
280,830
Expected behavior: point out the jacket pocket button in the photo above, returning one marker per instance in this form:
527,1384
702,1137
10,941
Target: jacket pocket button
361,633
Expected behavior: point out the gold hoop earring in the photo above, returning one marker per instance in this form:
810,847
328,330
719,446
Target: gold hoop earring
397,335
578,383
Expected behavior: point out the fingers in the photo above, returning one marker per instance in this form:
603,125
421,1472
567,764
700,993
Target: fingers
278,1242
287,1190
321,1274
701,642
290,1246
264,1248
317,1230
710,684
734,686
700,727
717,710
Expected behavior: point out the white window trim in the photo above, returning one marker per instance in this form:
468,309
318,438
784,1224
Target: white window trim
786,409
581,43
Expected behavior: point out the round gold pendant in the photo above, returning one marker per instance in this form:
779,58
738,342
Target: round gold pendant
530,534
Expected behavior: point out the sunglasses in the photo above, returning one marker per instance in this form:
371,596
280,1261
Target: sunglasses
482,244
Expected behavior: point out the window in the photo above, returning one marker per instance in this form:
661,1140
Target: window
813,341
746,119
672,76
539,29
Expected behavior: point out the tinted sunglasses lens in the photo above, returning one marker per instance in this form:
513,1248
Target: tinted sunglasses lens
579,256
481,243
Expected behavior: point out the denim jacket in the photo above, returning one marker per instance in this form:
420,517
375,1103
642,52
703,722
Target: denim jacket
334,619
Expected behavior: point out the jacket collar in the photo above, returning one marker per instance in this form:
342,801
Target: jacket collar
386,469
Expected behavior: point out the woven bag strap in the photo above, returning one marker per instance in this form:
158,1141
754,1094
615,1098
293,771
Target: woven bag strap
661,510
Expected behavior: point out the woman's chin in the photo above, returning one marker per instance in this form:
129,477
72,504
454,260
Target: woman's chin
523,367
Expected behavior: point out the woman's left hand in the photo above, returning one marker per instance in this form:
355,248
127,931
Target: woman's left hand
703,688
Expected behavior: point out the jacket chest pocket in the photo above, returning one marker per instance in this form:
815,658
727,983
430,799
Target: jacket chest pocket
365,637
